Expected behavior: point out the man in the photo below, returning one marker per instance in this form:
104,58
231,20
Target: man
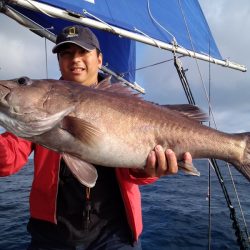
64,213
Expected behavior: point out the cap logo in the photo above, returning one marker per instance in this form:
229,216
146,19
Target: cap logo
71,32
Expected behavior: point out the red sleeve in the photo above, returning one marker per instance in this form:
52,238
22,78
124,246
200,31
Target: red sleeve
142,180
14,153
128,176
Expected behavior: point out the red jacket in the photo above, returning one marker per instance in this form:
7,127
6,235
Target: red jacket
43,194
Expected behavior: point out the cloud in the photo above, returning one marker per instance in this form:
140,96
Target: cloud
23,53
230,89
229,22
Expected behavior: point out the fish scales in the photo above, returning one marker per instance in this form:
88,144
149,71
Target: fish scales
102,126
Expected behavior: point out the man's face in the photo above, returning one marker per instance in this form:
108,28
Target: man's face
79,65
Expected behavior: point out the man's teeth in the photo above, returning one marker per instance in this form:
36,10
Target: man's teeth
77,69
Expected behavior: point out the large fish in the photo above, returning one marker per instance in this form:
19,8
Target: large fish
109,126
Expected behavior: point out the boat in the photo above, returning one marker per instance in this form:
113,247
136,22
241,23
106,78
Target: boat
177,29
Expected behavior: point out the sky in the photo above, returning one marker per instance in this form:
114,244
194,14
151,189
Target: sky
23,54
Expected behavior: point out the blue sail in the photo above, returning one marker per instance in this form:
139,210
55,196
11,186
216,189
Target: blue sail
169,21
175,16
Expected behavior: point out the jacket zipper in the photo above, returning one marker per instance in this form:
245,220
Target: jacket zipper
58,176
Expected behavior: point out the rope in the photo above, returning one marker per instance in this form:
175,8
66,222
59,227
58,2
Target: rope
39,9
155,21
240,207
244,245
46,57
209,170
147,66
141,32
209,207
164,29
183,78
197,65
240,239
153,64
85,12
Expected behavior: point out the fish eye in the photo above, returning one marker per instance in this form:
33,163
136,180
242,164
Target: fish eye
24,80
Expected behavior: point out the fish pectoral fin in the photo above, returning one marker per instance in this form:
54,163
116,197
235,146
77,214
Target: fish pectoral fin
80,129
188,168
85,172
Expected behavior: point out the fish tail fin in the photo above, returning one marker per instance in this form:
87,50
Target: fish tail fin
188,168
244,166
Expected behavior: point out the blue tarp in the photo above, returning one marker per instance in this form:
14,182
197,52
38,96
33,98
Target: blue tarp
119,53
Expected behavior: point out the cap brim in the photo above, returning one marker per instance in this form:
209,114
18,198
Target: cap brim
87,47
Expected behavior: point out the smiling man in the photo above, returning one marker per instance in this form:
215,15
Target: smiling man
79,59
64,213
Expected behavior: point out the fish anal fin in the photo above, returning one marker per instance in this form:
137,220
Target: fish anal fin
85,172
81,129
188,168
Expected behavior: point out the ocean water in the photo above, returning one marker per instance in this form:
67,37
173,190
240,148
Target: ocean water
175,211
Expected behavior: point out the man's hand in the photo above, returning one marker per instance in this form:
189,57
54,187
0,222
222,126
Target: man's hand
160,163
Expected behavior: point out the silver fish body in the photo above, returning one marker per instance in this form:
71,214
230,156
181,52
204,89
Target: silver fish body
102,126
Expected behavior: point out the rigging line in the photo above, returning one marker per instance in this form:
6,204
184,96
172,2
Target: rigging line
209,165
209,207
141,32
151,16
244,245
46,56
231,176
85,12
212,161
152,65
168,32
240,238
239,203
211,112
35,6
197,64
184,81
149,66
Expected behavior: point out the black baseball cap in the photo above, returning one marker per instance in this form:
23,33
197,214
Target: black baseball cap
78,35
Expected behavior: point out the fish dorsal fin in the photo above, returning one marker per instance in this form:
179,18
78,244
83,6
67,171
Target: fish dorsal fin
117,88
104,84
190,111
81,129
85,172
